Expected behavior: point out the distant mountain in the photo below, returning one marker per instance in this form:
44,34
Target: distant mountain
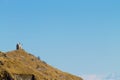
113,76
20,65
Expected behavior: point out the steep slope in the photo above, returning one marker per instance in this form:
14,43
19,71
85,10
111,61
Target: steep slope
20,65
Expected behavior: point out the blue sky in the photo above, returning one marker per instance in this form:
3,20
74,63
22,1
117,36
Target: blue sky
80,37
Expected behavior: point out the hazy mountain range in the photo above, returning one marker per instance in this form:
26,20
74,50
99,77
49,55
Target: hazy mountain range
112,76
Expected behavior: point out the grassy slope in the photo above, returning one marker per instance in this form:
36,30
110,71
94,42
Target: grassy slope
21,62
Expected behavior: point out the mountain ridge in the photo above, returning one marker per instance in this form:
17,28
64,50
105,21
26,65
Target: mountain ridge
19,63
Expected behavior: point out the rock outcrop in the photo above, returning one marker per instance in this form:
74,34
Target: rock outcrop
5,76
24,77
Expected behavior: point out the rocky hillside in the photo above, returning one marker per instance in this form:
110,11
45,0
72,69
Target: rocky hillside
20,65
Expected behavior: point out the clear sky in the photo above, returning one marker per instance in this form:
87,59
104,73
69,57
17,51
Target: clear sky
76,36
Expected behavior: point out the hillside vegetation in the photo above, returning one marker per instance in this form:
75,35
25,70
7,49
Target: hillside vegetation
20,65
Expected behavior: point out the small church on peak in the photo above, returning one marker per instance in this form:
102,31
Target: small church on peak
18,46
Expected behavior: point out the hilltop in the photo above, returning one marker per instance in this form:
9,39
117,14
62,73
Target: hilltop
20,65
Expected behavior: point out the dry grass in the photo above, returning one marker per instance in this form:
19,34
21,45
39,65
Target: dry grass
20,62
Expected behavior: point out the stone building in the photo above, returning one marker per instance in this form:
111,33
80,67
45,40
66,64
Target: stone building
18,46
